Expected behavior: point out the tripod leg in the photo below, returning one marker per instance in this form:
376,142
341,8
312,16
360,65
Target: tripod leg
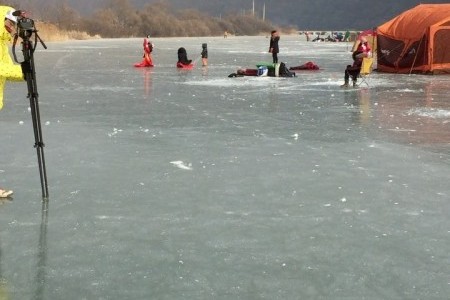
39,144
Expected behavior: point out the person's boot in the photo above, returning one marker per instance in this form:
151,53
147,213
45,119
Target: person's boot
345,84
354,83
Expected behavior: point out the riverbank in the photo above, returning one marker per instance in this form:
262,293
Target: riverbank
51,33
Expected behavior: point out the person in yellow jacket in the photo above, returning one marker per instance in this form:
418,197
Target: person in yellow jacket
8,70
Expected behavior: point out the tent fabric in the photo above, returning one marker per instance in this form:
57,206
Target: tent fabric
417,40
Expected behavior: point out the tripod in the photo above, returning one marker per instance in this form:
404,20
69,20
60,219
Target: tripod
28,69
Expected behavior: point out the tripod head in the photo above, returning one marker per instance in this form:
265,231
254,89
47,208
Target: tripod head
25,30
25,26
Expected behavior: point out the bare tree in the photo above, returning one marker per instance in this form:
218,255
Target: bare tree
65,16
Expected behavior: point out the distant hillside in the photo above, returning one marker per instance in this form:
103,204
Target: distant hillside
309,14
304,14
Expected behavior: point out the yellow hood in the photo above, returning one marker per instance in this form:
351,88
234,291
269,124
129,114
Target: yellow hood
8,70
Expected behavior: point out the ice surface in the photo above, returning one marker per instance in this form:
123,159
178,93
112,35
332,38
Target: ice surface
187,184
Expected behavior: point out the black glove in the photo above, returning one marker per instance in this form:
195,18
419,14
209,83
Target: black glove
26,67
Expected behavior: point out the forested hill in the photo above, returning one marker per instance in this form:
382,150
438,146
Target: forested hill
310,14
303,14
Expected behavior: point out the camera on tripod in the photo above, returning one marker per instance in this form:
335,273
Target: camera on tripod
25,27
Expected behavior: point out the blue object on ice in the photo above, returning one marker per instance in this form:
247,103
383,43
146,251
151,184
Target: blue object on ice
262,71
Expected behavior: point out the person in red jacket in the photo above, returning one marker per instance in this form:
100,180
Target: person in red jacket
147,60
148,49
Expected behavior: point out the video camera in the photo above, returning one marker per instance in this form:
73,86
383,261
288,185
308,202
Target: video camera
25,26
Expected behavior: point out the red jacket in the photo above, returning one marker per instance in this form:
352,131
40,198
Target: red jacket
148,47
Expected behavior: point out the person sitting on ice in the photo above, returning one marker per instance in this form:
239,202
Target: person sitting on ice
353,71
182,57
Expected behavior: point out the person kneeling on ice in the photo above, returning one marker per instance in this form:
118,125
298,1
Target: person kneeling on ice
353,71
147,60
183,61
148,49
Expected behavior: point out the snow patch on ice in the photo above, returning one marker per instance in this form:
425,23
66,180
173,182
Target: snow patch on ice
434,113
408,91
180,164
397,129
227,82
115,131
109,217
106,88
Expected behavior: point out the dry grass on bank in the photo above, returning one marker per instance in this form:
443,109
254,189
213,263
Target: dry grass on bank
50,33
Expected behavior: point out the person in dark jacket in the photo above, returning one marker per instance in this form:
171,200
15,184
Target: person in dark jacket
352,70
204,54
273,47
182,57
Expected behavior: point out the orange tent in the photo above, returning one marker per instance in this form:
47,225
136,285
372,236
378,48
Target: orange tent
416,41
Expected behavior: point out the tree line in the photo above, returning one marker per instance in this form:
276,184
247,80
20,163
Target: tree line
119,18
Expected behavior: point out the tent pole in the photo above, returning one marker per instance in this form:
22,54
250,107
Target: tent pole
374,31
417,53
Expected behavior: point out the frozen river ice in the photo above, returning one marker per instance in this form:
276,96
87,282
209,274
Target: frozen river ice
175,184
